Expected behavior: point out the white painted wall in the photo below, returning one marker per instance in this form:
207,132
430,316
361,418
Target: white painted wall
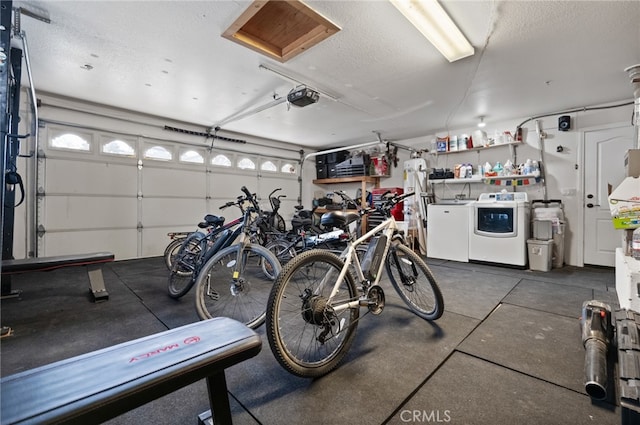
565,170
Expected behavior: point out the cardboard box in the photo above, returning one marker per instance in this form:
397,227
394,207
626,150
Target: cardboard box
624,204
632,163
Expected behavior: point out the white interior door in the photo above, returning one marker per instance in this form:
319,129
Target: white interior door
604,168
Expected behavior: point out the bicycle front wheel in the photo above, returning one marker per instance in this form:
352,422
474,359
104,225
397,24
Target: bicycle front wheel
237,289
414,282
308,333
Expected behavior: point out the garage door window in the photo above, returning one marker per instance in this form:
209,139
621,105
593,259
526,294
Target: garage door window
159,153
221,161
118,147
269,166
71,141
192,157
288,168
246,164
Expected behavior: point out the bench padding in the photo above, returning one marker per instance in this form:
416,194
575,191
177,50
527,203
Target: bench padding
24,265
98,386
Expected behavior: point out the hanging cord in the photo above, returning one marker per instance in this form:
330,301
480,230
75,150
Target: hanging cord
13,178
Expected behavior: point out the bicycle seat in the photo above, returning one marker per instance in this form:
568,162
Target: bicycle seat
338,218
214,220
301,223
305,214
298,207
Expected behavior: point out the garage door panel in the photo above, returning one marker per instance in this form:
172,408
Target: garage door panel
155,240
173,182
96,178
228,186
289,187
76,212
173,211
123,243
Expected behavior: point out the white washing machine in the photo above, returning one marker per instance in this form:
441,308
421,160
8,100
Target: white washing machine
448,230
499,228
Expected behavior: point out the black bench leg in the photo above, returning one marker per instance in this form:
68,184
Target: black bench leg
5,288
219,399
96,282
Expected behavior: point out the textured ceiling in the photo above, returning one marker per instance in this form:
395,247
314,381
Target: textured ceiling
168,59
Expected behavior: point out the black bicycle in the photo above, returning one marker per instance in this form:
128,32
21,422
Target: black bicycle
272,218
210,223
236,281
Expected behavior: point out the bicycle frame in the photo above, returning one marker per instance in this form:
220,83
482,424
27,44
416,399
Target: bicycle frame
389,229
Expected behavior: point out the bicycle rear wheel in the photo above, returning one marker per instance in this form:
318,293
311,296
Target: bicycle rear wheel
171,251
307,335
181,277
414,282
243,298
282,249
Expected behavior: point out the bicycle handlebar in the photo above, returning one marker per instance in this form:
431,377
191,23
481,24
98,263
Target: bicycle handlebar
274,191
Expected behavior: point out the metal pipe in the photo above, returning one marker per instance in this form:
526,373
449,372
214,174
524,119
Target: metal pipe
362,145
596,336
634,75
35,133
541,136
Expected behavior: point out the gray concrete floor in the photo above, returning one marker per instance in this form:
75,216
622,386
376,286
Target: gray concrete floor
507,349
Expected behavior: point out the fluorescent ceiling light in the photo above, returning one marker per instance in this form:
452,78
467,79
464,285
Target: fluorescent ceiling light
434,23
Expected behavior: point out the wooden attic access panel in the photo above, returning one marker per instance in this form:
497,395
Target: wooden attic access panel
280,29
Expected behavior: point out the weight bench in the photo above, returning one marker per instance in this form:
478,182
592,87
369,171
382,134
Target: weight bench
98,386
92,261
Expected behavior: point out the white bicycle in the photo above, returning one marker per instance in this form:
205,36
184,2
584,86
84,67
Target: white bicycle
314,304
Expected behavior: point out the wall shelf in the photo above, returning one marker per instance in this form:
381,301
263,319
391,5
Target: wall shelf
354,179
474,179
375,180
477,149
494,181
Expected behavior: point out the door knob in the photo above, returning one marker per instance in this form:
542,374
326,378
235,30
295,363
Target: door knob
590,196
589,205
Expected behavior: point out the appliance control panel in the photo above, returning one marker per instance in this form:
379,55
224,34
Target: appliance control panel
503,196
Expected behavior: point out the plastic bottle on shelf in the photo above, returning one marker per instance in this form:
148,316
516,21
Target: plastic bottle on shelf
498,168
487,167
635,244
535,168
528,167
508,168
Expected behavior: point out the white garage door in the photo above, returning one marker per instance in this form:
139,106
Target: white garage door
101,191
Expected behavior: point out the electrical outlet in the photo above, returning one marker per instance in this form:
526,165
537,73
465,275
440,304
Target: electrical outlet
569,191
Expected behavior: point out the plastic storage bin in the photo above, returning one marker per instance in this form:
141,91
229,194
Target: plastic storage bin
551,211
540,254
542,229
